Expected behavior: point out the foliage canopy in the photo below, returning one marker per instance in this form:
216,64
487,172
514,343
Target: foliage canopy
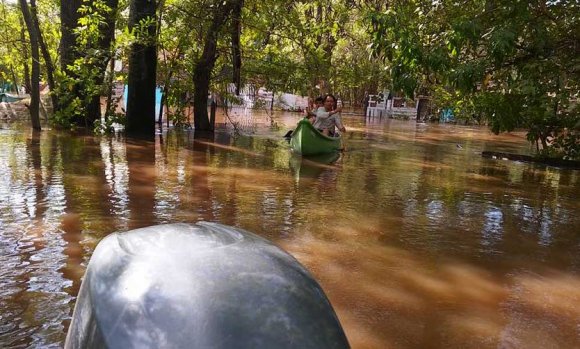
509,64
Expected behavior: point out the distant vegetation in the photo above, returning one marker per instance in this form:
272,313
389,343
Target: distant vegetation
507,64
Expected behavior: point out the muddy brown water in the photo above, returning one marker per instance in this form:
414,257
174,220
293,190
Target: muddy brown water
417,240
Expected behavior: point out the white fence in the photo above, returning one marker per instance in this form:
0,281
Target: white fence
250,97
394,108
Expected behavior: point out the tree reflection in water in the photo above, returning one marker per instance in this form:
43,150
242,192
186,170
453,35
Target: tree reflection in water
417,242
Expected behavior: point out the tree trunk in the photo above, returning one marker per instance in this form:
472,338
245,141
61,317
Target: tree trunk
110,80
142,74
25,58
68,50
69,17
204,67
212,111
107,34
236,51
35,76
422,109
46,56
164,93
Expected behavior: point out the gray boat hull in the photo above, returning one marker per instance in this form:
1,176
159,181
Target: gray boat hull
201,285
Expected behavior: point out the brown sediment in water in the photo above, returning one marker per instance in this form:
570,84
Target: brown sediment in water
417,242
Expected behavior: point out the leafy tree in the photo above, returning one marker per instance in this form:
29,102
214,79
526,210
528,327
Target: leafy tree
271,54
310,48
174,71
508,63
354,71
11,52
17,69
319,27
87,33
197,41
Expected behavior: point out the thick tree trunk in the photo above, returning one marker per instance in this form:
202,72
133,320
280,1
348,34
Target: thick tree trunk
142,74
422,109
35,78
204,67
68,50
201,87
69,17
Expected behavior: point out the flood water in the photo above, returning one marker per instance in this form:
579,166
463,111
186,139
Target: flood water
417,240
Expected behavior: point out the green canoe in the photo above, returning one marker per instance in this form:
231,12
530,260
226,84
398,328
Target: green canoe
306,140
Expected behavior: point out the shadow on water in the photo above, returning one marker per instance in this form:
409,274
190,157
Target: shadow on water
417,240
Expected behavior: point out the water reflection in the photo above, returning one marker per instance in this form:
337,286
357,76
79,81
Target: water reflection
114,157
492,229
419,242
31,245
313,166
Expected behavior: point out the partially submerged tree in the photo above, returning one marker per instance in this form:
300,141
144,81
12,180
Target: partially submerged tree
48,62
221,13
142,70
34,106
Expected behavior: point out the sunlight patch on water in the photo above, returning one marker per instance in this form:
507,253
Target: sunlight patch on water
493,228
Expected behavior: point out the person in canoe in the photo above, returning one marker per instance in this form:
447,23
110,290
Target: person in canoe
328,117
311,112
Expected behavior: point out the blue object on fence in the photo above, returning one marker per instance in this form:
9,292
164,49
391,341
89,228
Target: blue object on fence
447,115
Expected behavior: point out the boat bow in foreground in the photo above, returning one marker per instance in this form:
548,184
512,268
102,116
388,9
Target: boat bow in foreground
201,285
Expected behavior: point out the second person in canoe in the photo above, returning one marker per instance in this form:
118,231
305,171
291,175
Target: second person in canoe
328,118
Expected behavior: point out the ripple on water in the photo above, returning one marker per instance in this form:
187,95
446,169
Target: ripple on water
387,216
32,287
